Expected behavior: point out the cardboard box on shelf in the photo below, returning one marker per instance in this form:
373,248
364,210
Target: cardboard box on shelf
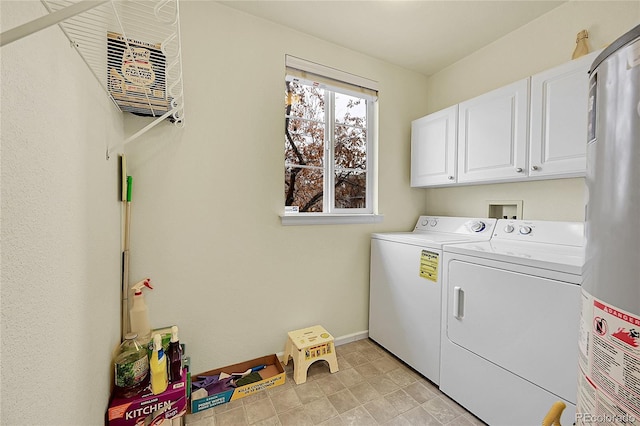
136,75
218,392
148,408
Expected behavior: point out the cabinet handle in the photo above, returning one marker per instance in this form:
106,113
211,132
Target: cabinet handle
519,169
458,302
450,177
534,168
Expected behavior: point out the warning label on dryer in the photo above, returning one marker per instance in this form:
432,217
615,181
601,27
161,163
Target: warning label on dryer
429,265
609,361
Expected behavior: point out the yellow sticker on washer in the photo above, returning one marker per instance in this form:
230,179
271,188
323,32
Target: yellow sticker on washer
429,265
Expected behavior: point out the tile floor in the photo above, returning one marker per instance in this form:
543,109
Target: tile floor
371,388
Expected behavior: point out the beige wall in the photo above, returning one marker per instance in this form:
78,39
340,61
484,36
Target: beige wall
60,284
207,198
544,43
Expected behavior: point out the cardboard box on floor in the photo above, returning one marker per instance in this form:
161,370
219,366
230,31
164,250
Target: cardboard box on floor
273,375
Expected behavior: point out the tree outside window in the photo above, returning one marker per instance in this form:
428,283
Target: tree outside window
326,147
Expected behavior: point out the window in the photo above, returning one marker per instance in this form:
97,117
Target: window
329,134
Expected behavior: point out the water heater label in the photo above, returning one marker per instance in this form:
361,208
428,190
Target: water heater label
609,362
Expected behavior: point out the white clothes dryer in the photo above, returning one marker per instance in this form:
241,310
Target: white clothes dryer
406,287
511,319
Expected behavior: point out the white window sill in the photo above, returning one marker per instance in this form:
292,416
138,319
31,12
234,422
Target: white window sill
329,219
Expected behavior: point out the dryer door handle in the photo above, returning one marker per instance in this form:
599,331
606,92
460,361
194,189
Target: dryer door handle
458,302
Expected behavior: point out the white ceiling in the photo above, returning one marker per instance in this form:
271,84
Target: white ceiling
421,35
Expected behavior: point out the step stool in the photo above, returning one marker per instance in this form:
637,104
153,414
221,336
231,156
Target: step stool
307,346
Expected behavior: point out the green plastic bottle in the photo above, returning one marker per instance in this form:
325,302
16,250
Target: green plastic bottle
131,367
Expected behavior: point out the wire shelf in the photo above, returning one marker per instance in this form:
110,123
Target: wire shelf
112,37
132,48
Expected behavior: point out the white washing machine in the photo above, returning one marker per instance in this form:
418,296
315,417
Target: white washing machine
406,287
511,319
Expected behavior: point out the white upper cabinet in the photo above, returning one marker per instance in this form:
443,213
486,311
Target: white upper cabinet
433,148
492,135
558,138
535,128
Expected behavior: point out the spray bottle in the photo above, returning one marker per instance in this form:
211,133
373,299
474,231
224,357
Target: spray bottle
139,314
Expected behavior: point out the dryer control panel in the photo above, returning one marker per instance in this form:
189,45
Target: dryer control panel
540,231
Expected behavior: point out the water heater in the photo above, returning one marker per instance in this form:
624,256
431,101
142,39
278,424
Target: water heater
609,342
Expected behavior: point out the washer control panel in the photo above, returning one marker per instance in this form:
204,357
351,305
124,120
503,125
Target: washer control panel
455,225
427,222
569,233
477,226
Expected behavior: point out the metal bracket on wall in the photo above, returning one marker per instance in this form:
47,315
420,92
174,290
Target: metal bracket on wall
43,22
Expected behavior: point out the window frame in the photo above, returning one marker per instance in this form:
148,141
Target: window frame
315,74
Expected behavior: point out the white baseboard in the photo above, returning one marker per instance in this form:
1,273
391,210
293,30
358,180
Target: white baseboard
342,340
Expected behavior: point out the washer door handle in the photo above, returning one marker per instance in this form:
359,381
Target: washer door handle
458,302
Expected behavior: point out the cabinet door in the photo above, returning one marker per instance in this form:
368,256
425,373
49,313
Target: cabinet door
433,148
558,142
492,135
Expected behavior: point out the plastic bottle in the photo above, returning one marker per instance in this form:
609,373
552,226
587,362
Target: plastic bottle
139,314
131,365
174,357
158,365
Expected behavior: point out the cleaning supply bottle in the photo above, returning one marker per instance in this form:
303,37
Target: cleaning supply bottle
139,314
158,365
131,367
174,357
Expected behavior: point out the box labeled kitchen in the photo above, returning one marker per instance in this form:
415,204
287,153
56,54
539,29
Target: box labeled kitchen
222,385
147,408
136,75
